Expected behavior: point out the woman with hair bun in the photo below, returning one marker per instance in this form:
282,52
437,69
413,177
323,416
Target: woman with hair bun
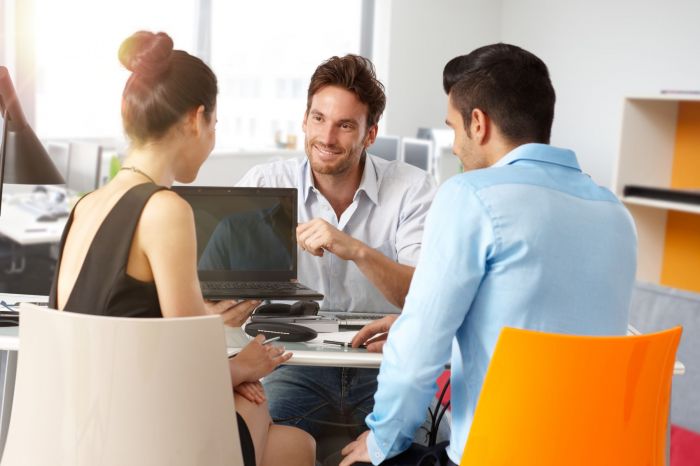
129,248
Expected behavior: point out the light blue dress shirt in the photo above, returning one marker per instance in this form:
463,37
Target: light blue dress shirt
387,213
530,242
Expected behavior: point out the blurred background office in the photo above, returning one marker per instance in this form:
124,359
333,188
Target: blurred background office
62,58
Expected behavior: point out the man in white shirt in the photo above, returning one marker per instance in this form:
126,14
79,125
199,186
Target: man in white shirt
360,230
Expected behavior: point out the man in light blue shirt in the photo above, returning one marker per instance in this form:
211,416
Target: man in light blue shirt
360,230
523,239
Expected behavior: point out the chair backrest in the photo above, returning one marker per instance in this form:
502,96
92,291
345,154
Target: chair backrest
551,399
417,152
94,390
386,147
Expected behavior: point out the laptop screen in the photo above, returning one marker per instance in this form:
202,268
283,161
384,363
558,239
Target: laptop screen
244,233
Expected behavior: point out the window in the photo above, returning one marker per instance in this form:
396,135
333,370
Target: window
263,53
79,79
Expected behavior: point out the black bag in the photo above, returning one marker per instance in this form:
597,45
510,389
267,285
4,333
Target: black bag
419,455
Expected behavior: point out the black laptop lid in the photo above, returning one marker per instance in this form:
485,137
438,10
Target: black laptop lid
244,234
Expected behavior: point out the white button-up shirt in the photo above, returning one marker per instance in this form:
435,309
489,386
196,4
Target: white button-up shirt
387,213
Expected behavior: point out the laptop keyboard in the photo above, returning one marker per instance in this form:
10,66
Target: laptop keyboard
272,286
355,315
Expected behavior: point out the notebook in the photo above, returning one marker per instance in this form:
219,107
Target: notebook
246,242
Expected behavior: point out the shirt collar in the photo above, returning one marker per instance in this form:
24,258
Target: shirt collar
540,153
307,181
369,183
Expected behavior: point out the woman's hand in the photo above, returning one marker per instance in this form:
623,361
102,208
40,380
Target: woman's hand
251,391
256,361
234,313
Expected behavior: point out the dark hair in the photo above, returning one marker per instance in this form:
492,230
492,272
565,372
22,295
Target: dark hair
509,84
164,85
356,74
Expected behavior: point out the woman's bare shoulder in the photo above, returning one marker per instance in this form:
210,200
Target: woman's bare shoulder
166,208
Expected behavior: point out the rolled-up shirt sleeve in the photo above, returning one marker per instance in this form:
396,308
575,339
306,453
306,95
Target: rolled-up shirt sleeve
457,243
409,234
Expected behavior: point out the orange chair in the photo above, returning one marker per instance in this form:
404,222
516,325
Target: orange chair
555,400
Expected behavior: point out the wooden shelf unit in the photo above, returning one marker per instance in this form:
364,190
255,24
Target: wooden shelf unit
660,147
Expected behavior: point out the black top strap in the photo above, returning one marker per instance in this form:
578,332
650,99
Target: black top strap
102,286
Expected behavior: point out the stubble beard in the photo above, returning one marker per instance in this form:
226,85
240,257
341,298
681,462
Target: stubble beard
342,165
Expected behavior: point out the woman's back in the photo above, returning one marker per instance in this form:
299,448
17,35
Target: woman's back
102,268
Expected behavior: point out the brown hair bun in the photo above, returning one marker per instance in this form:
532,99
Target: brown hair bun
147,54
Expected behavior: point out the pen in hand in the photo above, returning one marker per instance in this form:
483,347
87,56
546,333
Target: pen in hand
270,340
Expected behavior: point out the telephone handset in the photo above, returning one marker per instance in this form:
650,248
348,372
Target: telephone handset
300,308
276,320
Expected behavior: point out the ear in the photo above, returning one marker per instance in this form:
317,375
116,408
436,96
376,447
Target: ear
479,126
371,135
196,120
303,122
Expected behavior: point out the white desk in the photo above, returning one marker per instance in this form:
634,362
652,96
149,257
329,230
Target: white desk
316,354
21,226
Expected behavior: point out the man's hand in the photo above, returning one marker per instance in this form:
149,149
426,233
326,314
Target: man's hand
318,235
356,451
234,313
374,334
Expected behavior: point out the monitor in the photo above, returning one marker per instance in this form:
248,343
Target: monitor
83,165
59,153
417,152
386,147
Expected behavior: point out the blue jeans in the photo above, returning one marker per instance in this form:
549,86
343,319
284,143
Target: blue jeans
312,398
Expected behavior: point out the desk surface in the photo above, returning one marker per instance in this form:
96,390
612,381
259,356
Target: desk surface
305,354
22,227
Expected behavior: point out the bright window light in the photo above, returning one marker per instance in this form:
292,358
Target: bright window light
79,78
263,53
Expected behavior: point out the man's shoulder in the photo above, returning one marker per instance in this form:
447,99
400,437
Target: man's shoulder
277,174
396,173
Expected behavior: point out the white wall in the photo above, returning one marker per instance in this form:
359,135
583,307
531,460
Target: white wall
423,36
597,51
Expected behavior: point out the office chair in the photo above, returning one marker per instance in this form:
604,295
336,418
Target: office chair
386,147
417,152
95,390
552,399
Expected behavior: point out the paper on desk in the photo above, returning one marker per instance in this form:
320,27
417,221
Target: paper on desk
345,337
235,337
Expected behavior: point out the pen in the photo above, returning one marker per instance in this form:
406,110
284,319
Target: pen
270,340
339,343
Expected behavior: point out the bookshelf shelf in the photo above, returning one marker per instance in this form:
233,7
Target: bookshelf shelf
660,150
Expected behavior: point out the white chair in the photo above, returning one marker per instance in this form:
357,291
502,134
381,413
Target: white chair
106,391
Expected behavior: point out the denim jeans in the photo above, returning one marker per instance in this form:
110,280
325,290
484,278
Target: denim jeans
312,398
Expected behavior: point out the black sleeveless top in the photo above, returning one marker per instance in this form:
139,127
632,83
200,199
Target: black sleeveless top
102,286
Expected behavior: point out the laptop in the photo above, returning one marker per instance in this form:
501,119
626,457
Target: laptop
246,242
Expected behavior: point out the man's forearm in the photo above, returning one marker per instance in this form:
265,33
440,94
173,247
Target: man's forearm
391,278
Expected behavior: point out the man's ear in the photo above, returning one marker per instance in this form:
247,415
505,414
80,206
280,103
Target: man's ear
371,136
479,126
303,122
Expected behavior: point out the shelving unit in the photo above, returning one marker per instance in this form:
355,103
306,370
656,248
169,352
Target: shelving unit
660,147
